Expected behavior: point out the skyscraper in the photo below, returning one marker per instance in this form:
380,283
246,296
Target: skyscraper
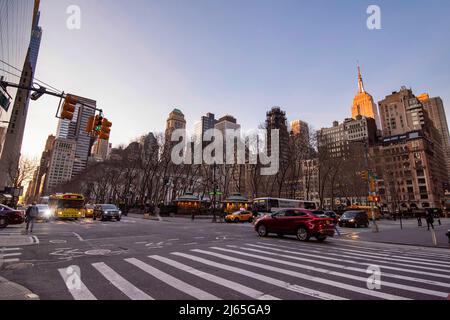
363,103
276,119
9,160
175,121
436,112
75,130
207,122
61,164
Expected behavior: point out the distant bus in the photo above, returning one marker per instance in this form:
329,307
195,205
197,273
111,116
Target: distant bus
67,206
270,205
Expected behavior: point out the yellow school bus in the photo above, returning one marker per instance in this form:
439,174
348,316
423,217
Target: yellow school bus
67,206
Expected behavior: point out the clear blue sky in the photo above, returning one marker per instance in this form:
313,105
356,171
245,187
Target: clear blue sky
141,58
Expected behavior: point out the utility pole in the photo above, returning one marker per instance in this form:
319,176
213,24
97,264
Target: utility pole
214,192
369,175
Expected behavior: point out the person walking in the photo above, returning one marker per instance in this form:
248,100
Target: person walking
430,219
30,217
419,219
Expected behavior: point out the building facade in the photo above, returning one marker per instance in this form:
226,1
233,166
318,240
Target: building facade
61,164
75,130
276,120
11,150
206,123
436,113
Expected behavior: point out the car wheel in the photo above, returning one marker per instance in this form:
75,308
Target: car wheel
102,218
118,219
367,225
236,220
250,220
321,238
302,234
262,231
3,223
356,225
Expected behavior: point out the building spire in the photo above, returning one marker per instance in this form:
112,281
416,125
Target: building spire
360,81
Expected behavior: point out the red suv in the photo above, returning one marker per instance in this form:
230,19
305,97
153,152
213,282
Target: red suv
302,223
10,216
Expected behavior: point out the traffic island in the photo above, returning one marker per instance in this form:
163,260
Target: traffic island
13,291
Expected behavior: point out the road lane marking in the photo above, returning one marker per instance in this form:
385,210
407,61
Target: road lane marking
340,266
299,275
172,281
7,255
120,283
78,236
275,282
80,293
9,260
10,249
252,293
334,273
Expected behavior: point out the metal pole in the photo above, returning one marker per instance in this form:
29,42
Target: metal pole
214,191
372,209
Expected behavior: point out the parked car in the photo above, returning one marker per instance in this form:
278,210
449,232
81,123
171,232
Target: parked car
45,214
240,216
107,212
354,219
9,216
299,222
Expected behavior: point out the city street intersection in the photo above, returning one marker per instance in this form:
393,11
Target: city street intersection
180,259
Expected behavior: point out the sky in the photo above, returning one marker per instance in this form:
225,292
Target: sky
139,59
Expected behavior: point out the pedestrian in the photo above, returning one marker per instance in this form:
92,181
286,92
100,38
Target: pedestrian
419,219
30,217
430,219
438,217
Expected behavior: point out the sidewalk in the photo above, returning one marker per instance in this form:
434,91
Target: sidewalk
13,291
175,218
13,236
410,235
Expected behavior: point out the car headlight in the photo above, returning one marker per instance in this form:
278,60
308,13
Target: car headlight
47,213
60,213
353,220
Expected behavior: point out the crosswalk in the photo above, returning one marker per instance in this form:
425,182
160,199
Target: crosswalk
268,270
10,255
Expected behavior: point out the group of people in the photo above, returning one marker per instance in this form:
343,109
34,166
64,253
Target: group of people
429,218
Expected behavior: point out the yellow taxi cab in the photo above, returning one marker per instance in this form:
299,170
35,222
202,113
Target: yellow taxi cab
240,216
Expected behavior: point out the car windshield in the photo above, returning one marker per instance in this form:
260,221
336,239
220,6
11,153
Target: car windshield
319,214
350,214
109,207
42,207
70,204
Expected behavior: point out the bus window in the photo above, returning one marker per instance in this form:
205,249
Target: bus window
273,203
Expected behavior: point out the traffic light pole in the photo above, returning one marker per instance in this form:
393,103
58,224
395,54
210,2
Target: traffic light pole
41,91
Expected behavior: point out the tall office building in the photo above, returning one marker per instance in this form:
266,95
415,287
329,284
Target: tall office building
276,119
436,112
100,150
75,130
37,185
363,103
61,164
207,122
410,159
175,121
9,161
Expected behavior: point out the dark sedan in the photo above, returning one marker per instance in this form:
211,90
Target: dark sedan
10,216
107,212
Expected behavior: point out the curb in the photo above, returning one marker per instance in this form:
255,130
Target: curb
13,291
390,244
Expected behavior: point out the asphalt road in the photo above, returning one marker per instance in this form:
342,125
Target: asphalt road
183,260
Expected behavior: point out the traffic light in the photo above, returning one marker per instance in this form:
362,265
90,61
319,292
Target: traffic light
365,175
373,185
68,108
105,130
98,124
90,124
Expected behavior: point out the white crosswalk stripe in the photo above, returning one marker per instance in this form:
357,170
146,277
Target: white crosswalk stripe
76,287
265,271
120,283
255,294
172,281
7,255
